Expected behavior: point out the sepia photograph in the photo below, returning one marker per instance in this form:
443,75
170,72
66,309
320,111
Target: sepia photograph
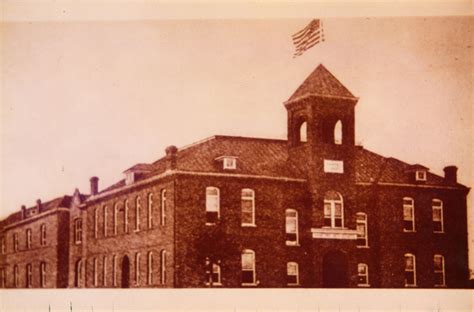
311,160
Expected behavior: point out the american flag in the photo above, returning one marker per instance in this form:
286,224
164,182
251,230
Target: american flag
308,37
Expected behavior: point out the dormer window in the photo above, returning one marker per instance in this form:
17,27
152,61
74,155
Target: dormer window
136,172
420,175
129,177
228,162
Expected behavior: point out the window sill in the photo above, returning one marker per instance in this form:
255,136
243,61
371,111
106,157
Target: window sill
293,244
363,285
363,247
213,284
248,225
209,224
293,285
410,286
439,232
440,286
249,284
409,231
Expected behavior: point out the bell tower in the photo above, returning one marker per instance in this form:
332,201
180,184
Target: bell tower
321,125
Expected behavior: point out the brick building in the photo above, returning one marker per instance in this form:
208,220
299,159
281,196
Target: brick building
314,210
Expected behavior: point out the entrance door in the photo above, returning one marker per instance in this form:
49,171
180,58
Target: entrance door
335,270
125,272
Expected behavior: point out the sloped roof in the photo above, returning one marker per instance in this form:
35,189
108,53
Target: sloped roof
321,82
63,202
268,157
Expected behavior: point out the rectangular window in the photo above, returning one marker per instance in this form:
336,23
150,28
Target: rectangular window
96,222
163,207
438,224
78,231
43,235
150,210
137,213
95,272
29,275
114,270
163,267
363,274
248,267
28,239
105,220
15,277
362,237
4,246
248,207
439,271
230,163
212,205
150,269
291,227
333,210
116,212
125,216
213,273
43,274
104,271
410,270
408,215
3,278
137,269
15,241
292,274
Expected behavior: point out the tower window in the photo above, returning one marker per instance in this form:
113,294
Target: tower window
303,132
338,133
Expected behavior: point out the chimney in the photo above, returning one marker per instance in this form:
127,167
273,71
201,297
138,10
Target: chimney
23,212
451,174
94,185
171,152
38,205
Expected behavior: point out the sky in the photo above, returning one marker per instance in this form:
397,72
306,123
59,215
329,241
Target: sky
92,98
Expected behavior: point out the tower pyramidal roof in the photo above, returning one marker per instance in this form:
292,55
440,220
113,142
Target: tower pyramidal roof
321,83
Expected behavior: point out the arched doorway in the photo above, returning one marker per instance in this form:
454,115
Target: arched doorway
335,273
125,272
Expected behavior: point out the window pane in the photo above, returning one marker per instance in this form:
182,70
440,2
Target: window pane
436,214
408,225
338,210
332,195
211,217
290,225
247,211
247,277
338,222
360,230
327,210
327,221
407,213
362,269
409,263
408,201
212,203
409,278
247,261
247,193
292,268
438,263
361,217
